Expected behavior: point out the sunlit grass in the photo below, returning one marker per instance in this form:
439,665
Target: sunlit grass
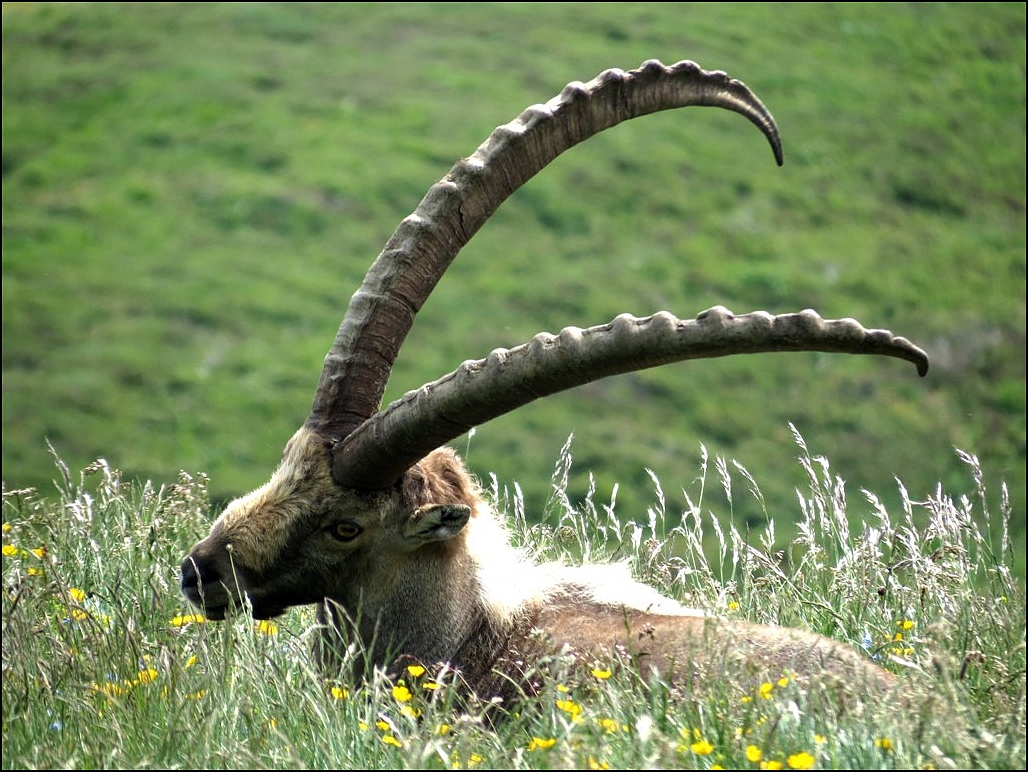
105,666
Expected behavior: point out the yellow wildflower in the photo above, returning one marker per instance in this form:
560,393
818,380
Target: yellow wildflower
266,626
594,764
766,689
401,693
753,753
77,594
702,748
801,760
541,743
608,725
110,688
770,764
7,527
39,552
340,693
182,621
11,551
146,676
884,743
570,707
473,759
783,682
601,674
388,739
416,670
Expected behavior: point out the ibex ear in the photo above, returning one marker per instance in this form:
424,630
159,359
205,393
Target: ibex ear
436,522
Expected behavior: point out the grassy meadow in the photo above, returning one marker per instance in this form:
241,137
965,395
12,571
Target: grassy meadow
104,667
192,192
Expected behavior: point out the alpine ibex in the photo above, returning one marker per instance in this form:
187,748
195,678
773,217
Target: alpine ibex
368,517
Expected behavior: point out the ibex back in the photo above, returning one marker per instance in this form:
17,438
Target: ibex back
370,518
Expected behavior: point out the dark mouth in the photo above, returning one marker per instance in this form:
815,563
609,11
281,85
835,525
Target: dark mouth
256,609
216,602
214,614
266,611
204,587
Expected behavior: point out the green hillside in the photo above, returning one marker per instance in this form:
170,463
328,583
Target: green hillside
191,192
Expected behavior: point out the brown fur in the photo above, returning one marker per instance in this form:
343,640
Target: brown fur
432,577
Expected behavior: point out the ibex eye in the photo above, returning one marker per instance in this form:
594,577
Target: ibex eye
347,530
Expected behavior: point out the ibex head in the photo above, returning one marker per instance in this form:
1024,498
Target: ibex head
363,512
302,538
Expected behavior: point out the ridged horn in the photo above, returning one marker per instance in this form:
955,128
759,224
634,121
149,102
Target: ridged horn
381,312
383,448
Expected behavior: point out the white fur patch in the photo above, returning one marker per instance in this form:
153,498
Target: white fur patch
509,581
614,585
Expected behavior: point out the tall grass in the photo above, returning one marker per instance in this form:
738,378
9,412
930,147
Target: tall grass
105,666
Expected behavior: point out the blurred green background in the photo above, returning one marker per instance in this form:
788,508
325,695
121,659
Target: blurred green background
191,192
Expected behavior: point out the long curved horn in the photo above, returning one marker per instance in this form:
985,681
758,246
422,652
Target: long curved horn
380,451
382,311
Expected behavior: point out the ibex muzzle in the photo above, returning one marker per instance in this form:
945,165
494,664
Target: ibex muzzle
367,517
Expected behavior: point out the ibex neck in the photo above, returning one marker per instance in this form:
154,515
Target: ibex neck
411,624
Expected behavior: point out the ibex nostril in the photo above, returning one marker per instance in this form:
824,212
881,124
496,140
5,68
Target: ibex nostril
359,486
190,582
198,579
189,575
